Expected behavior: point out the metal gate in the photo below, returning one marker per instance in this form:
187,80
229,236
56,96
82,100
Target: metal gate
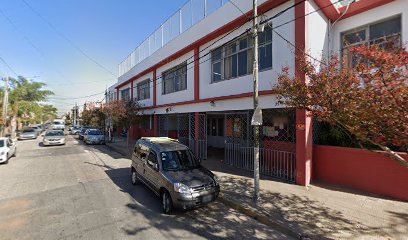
277,142
186,130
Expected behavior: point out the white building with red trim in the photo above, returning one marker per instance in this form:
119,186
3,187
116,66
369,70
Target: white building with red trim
193,75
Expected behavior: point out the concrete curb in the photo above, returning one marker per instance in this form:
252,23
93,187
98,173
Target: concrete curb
261,218
118,150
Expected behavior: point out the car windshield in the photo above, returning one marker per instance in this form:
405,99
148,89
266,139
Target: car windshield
95,132
56,133
27,130
178,160
2,143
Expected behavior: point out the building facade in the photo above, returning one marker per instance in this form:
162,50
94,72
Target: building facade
193,75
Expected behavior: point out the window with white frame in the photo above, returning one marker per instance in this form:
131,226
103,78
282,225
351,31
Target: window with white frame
386,34
143,90
125,94
175,79
235,58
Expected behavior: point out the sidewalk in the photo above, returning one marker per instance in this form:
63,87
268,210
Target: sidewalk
319,212
119,145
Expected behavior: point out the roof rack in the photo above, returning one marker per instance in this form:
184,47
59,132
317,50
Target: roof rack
159,139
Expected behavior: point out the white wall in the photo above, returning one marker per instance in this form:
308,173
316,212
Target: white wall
217,19
282,55
180,96
145,102
318,33
385,11
267,101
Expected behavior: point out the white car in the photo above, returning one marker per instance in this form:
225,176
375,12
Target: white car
8,149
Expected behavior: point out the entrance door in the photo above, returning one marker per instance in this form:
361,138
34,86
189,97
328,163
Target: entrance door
215,131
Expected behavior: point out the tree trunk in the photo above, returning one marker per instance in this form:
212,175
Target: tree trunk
391,154
394,156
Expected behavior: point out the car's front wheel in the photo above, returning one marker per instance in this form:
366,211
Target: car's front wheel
167,204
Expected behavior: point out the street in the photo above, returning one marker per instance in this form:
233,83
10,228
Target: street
84,192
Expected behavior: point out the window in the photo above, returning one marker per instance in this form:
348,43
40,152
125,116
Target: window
386,34
152,159
143,90
175,79
236,58
125,94
146,122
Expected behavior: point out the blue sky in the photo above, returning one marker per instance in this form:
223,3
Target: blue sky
106,30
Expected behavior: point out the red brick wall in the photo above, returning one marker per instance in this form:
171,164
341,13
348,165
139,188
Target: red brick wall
362,170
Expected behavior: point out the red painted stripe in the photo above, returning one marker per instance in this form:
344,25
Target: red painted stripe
131,90
154,88
331,12
197,73
363,6
221,98
213,35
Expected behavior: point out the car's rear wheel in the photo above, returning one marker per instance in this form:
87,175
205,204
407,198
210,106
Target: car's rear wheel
167,203
135,179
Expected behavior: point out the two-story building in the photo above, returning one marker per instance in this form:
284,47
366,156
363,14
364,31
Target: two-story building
193,75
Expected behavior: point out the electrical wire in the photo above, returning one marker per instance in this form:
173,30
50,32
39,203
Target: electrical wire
264,21
80,50
37,49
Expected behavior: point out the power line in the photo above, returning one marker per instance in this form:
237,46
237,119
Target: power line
67,39
246,31
73,98
29,41
8,66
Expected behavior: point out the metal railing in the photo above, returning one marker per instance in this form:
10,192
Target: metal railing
187,16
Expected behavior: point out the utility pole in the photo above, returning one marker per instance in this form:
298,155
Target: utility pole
256,96
5,106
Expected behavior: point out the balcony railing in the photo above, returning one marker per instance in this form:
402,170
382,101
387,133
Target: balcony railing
187,16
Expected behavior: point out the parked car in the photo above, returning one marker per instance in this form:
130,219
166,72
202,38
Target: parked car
58,124
54,137
172,172
8,149
94,136
37,128
75,130
28,133
82,132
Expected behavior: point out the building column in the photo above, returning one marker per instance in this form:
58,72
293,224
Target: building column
197,73
131,90
304,140
154,89
155,125
196,131
117,94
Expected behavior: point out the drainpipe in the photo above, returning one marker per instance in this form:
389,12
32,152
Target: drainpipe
331,25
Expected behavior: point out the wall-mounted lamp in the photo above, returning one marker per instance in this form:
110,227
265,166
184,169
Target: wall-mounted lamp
212,103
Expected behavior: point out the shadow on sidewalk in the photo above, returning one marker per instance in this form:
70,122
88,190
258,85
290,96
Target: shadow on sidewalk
214,221
303,215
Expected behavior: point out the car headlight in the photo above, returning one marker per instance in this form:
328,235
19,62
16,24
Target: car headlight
181,188
216,179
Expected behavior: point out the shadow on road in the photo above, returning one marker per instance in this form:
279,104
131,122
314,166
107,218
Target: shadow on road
215,221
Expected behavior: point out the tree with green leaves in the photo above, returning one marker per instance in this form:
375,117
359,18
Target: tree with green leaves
24,100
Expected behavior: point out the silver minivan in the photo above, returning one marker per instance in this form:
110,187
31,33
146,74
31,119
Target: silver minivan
172,172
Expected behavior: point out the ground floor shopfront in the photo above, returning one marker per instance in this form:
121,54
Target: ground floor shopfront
228,136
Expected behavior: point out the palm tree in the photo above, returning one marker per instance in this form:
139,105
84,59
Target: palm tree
24,99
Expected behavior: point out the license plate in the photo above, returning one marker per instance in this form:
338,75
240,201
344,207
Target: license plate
206,198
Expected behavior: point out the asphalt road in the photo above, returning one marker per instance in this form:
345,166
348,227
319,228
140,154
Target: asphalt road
84,192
